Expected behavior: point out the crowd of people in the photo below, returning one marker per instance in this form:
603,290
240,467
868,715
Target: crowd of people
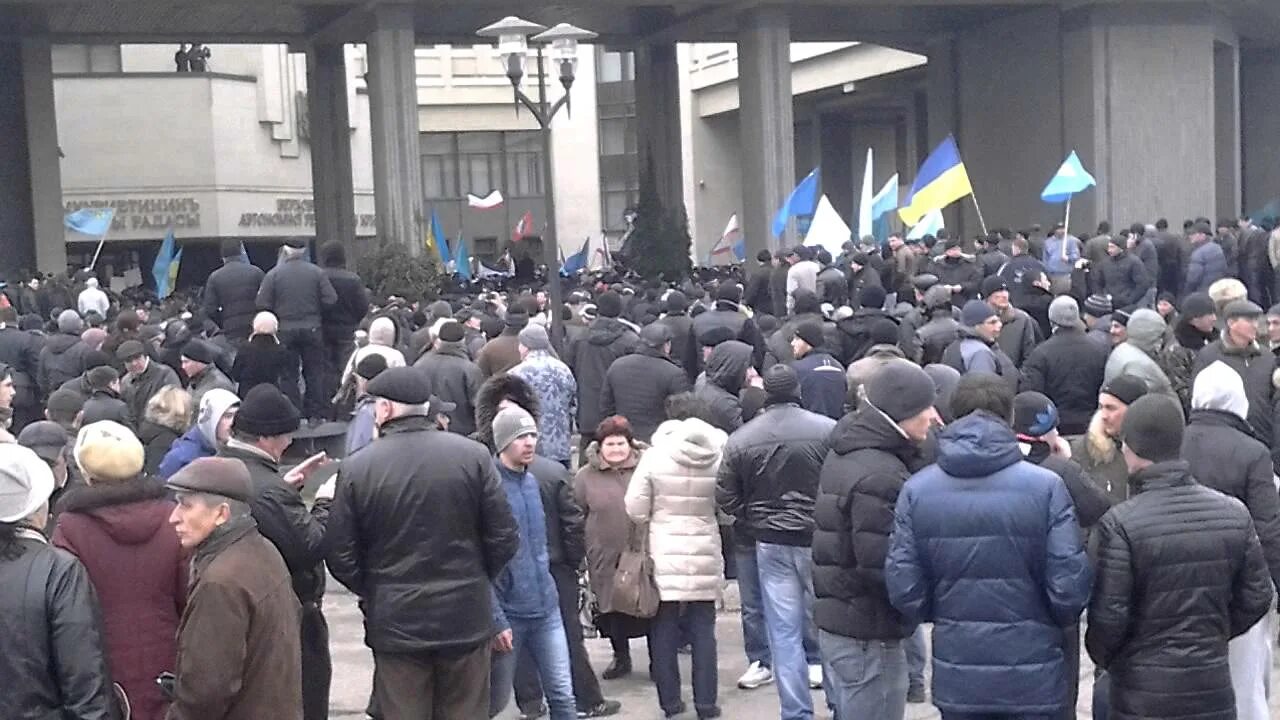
1018,440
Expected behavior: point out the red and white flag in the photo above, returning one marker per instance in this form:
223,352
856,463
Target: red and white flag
732,233
523,227
492,201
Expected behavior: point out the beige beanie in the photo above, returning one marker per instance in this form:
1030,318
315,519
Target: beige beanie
107,451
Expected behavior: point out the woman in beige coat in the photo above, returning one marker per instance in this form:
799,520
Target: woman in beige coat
673,489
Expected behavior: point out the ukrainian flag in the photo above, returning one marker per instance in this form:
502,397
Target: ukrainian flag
941,181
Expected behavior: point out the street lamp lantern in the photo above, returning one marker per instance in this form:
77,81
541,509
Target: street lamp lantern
561,44
513,44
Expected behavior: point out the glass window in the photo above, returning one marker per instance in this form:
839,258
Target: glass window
609,67
473,142
613,136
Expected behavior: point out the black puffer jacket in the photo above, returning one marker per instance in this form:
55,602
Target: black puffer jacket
1180,572
855,334
1068,368
1224,455
963,271
607,339
61,359
867,466
637,387
768,479
726,371
51,651
230,297
420,538
728,314
566,523
341,319
454,378
297,292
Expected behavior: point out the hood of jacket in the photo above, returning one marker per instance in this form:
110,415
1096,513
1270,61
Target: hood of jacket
727,366
124,511
61,342
606,331
870,429
977,445
501,387
691,443
213,405
1146,331
1218,387
597,463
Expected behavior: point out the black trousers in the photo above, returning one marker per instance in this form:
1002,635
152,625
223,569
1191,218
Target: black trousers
337,349
317,666
432,686
586,686
307,350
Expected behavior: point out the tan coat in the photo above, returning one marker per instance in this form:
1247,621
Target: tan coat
239,646
599,490
674,490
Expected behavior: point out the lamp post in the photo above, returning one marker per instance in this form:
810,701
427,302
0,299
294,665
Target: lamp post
561,42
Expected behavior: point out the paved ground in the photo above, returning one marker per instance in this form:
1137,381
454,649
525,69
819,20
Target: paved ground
353,668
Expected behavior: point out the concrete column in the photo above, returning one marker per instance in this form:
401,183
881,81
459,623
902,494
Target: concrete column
42,149
1226,128
393,115
332,186
658,119
942,116
841,178
767,130
1260,130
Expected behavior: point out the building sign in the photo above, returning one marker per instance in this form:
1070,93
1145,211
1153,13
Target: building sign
142,214
295,213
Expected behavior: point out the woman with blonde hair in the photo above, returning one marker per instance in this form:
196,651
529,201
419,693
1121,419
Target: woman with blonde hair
167,416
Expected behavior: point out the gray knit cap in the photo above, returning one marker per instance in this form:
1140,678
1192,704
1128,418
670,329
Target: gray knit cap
510,424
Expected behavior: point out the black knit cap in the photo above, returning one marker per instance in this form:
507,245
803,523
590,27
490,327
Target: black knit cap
406,385
609,304
781,384
452,331
200,351
266,412
370,366
1125,388
811,333
1153,428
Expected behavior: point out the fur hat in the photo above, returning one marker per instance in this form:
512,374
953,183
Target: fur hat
107,451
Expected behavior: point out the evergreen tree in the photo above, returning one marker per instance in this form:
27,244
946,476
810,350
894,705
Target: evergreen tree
659,244
392,270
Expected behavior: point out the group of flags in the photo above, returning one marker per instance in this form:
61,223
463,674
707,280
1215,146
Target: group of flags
941,181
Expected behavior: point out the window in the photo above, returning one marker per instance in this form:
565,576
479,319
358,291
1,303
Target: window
619,179
614,67
524,164
454,164
439,166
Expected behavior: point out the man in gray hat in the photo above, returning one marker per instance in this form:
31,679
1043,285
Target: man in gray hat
239,652
637,386
430,646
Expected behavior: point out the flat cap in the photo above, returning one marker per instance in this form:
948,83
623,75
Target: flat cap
130,349
1241,308
405,385
225,477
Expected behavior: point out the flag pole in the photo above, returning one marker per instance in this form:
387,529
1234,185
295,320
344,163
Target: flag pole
101,241
1066,228
976,206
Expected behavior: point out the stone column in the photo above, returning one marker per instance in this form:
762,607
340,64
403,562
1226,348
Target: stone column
47,250
766,124
393,115
658,119
1260,130
331,180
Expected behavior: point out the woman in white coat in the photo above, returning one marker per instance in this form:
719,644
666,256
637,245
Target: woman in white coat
673,489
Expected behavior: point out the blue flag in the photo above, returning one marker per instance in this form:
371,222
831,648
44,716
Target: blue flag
1070,179
463,258
90,221
576,261
165,269
802,201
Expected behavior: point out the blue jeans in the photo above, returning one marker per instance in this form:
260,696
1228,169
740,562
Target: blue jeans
755,639
786,585
545,640
675,622
916,659
868,678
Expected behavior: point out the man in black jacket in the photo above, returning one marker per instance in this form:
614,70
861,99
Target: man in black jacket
231,292
298,292
606,340
768,483
684,341
431,629
1068,367
1180,573
873,452
637,386
339,320
452,376
958,272
1124,276
144,377
262,430
728,313
1237,346
759,294
20,351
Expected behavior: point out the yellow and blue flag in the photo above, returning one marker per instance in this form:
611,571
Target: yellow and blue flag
1070,179
941,181
165,269
436,242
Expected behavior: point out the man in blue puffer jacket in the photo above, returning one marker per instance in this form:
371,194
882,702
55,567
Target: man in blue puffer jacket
526,592
986,546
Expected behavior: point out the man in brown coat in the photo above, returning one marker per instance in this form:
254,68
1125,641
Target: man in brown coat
239,653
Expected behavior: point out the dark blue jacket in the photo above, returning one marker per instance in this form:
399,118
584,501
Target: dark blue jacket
184,451
1208,265
986,547
822,384
525,588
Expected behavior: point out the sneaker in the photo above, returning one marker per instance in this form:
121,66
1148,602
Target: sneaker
604,709
916,694
815,677
755,676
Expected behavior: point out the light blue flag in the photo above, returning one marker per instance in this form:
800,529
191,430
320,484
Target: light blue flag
802,201
886,200
1070,179
244,254
577,261
165,269
930,224
441,241
90,221
463,257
